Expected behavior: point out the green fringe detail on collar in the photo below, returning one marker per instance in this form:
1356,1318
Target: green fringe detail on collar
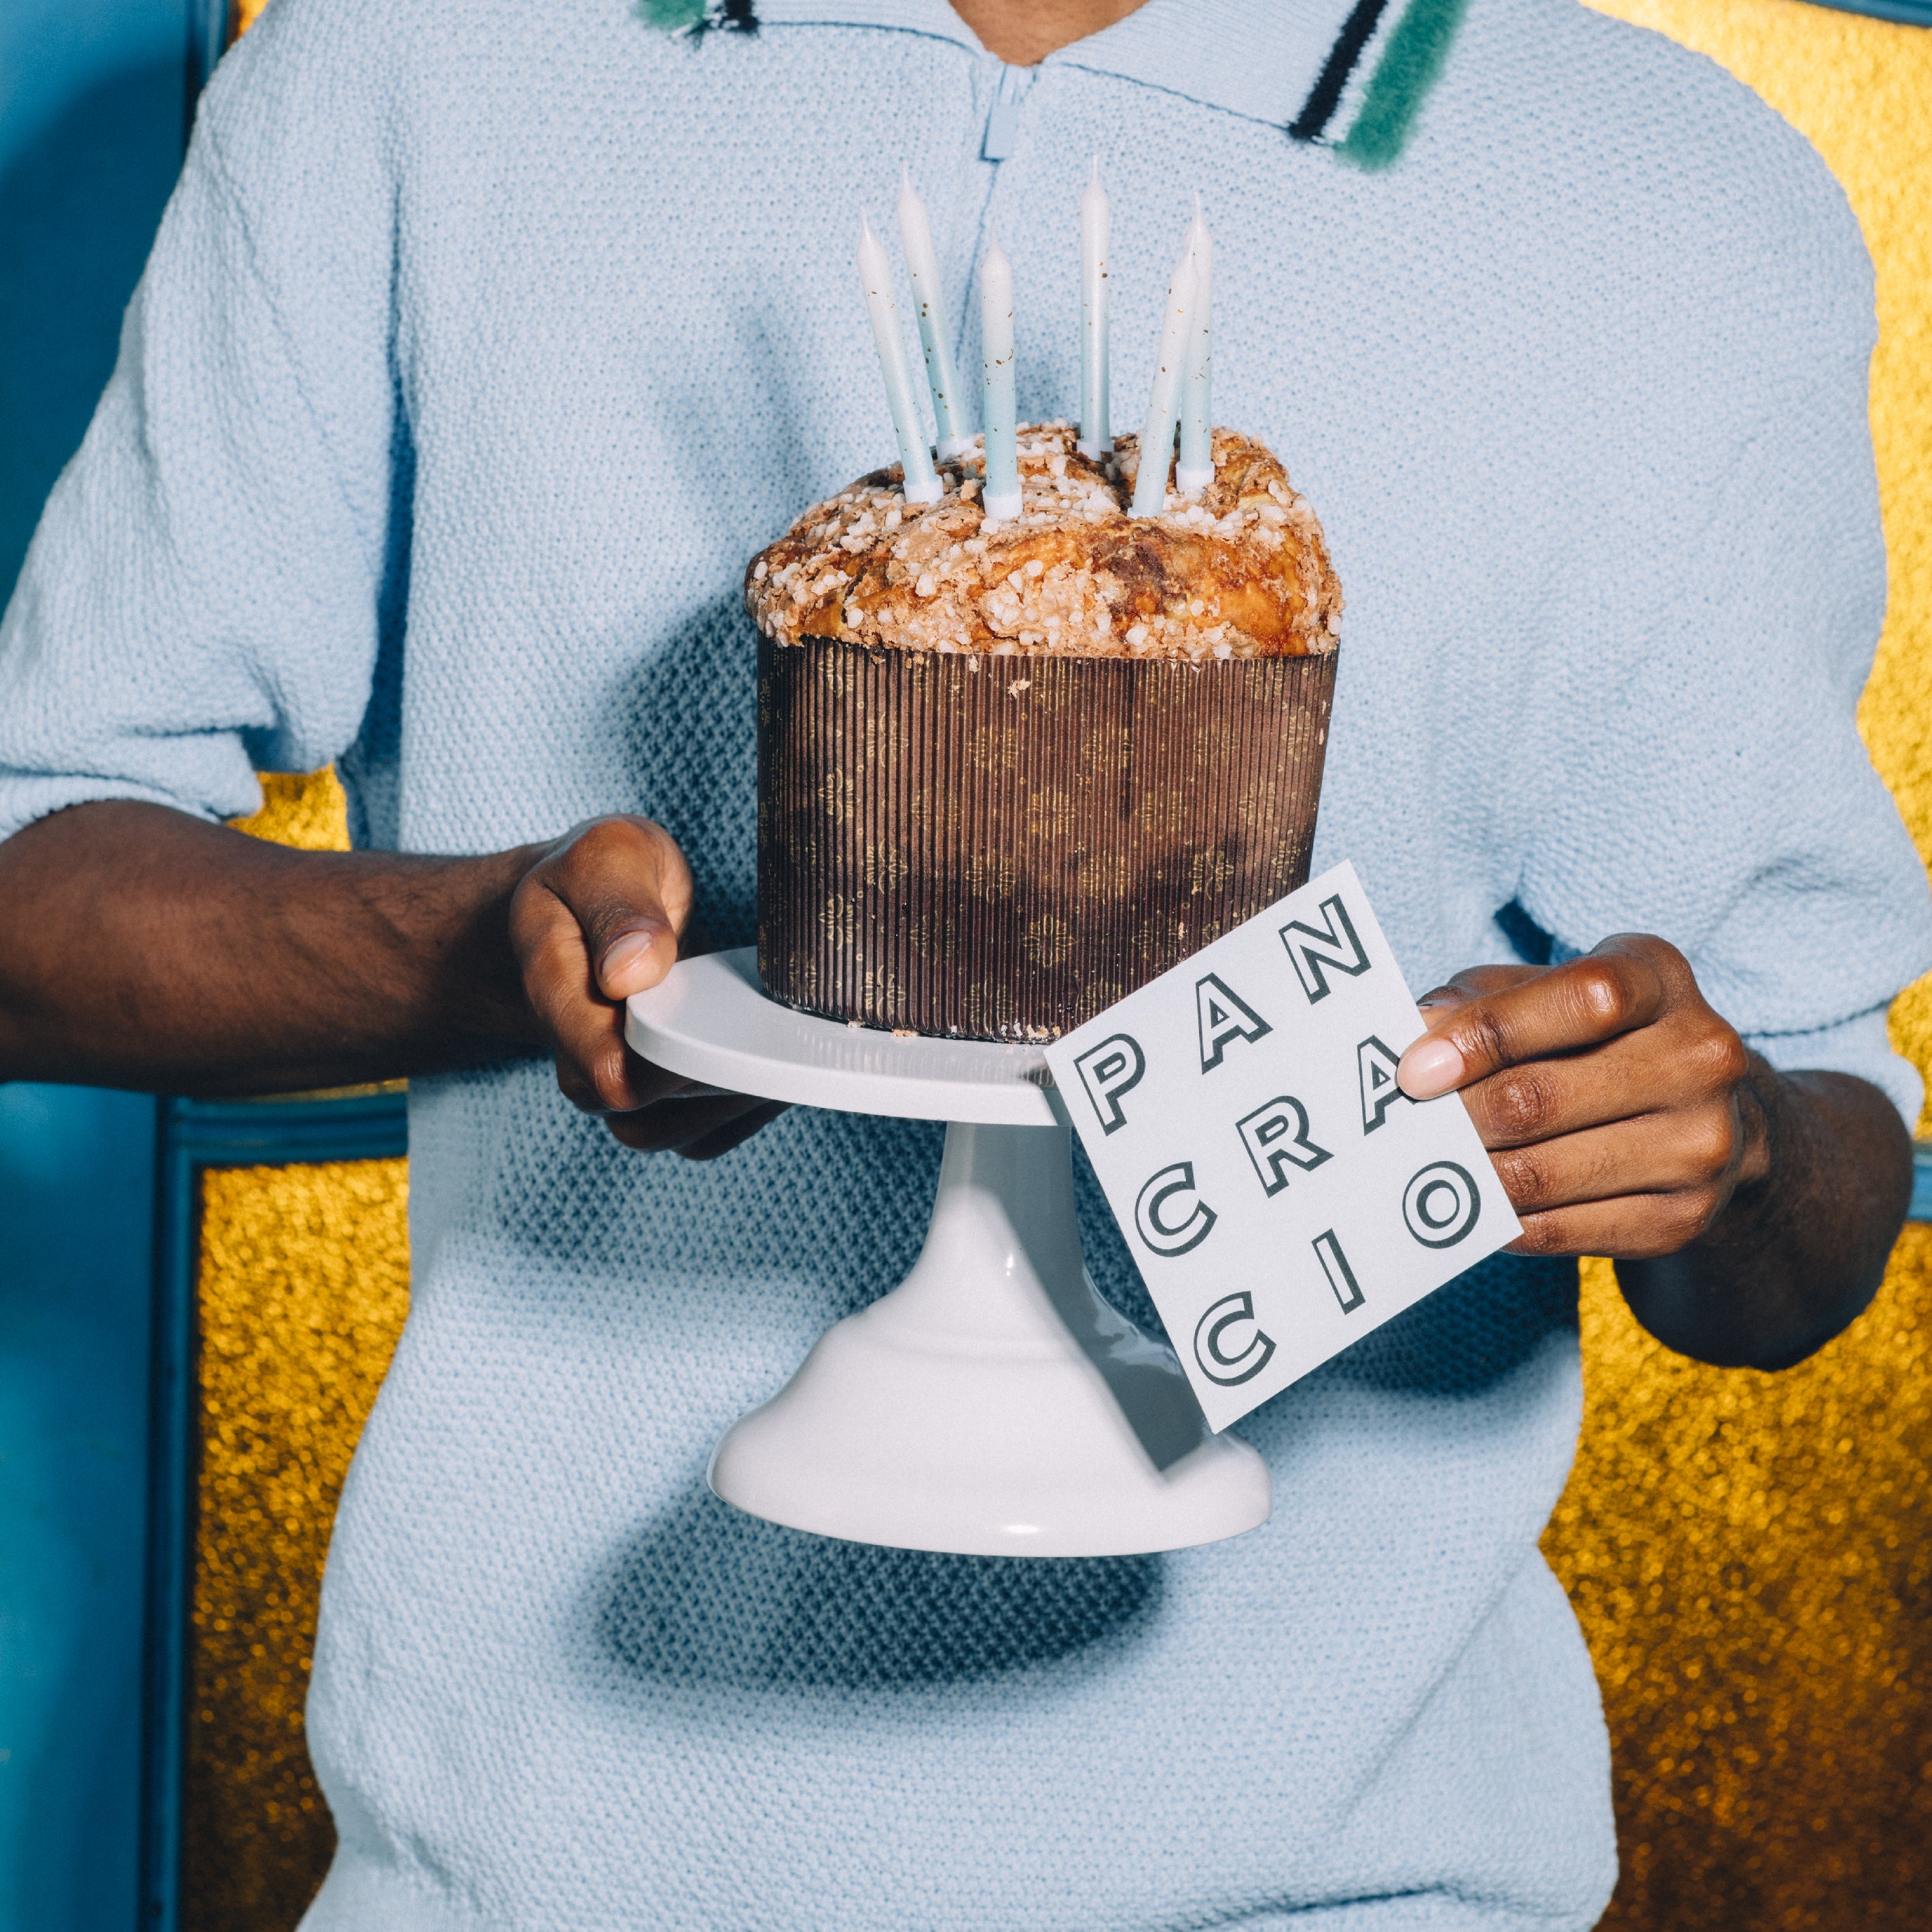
673,16
1410,66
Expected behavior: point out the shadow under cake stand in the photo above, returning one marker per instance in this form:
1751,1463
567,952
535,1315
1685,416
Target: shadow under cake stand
993,1403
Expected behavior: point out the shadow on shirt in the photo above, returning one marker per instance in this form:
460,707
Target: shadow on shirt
706,1594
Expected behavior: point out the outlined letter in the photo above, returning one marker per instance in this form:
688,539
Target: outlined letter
1225,1016
1275,1134
1171,1230
1441,1204
1341,1276
1107,1071
1376,1065
1229,1343
1331,947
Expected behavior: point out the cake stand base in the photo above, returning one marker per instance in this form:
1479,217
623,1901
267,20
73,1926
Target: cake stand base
993,1403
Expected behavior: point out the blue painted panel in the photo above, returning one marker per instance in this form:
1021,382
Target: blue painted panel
92,107
1907,13
196,1134
76,1230
92,104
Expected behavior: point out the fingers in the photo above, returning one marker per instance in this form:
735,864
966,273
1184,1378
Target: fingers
699,1130
627,887
1606,1091
1695,1151
1475,983
595,919
1624,985
594,1067
1686,1060
636,1084
734,1133
598,918
1633,1191
1632,1227
1629,1228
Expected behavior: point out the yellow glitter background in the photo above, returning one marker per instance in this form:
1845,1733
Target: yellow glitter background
1748,1554
304,1284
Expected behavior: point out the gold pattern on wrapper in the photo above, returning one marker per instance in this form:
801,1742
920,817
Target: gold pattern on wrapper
998,847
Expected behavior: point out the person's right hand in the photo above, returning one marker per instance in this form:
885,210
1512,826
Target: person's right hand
598,917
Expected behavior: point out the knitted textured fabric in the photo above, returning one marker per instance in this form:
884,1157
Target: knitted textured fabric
481,346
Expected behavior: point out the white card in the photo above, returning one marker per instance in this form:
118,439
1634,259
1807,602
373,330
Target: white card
1280,1193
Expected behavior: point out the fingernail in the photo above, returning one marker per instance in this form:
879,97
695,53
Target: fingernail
1429,1067
622,958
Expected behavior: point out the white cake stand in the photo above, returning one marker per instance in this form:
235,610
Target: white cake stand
992,1404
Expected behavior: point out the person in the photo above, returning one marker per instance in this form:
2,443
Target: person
481,346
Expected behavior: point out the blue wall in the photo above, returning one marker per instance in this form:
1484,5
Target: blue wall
92,95
77,1216
92,106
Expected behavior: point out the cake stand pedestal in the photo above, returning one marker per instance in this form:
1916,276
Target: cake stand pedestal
993,1403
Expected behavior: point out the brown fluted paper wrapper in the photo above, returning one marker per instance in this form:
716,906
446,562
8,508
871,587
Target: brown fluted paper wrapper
1000,847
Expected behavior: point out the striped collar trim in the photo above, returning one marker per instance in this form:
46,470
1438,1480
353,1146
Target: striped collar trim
1381,67
1349,74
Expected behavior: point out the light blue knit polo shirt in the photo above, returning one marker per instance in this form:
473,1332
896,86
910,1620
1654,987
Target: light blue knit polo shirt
483,343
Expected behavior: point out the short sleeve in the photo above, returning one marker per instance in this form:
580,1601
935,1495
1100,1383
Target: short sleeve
201,599
1715,789
1861,1044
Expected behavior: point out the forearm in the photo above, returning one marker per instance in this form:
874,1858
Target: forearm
144,948
1801,1246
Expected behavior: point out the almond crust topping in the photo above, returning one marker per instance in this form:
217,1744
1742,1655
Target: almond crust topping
1237,570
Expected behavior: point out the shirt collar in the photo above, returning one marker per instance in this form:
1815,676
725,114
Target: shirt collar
1258,58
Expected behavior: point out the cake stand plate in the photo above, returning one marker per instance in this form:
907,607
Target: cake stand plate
993,1403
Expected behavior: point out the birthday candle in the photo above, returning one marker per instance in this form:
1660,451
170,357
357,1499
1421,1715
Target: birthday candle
1195,469
996,336
1095,436
921,481
1164,404
916,233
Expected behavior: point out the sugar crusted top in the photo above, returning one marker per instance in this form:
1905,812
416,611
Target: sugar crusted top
1237,570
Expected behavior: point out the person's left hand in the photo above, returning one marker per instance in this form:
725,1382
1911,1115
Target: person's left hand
1617,1106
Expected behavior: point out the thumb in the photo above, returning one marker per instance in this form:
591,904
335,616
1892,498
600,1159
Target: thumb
638,957
628,887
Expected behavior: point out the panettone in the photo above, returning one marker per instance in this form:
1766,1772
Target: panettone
1009,772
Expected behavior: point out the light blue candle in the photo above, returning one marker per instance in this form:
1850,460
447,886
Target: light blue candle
996,336
1164,404
1097,435
1195,469
922,480
916,233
